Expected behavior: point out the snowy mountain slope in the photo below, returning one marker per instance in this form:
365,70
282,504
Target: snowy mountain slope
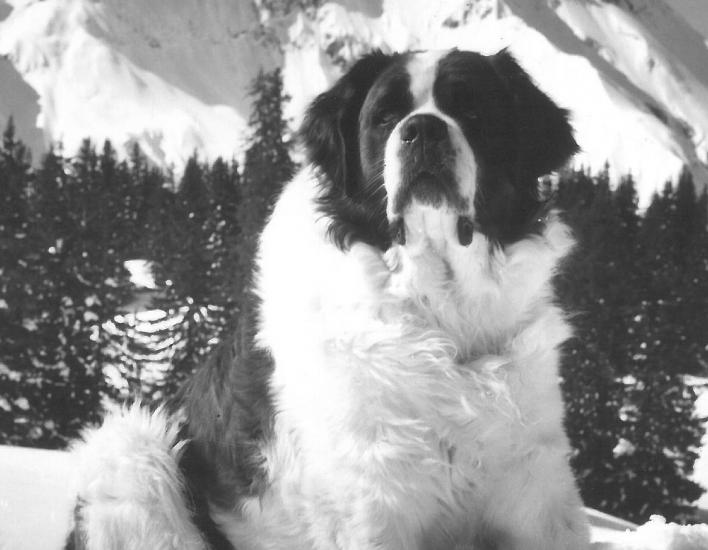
170,75
695,12
638,53
174,75
18,98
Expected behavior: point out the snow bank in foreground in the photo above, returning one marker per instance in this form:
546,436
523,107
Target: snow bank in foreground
656,534
36,501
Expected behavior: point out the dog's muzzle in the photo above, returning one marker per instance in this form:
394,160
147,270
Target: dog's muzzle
427,162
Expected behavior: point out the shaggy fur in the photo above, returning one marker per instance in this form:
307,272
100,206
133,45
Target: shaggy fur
402,390
130,488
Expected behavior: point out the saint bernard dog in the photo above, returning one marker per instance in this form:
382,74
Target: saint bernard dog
401,391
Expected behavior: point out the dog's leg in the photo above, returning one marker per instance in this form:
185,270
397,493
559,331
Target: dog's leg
130,489
536,506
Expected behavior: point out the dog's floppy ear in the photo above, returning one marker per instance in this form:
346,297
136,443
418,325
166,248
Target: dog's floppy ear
545,137
330,129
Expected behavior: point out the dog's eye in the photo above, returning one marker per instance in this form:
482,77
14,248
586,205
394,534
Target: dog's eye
464,105
386,118
462,102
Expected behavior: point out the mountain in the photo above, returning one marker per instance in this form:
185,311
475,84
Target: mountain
174,76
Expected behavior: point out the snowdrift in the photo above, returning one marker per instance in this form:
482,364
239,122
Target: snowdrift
656,534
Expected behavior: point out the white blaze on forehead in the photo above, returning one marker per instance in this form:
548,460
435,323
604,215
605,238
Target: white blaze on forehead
422,69
433,222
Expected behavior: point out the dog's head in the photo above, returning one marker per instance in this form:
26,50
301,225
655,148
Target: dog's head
451,130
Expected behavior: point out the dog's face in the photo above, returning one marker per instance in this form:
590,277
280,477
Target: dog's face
449,131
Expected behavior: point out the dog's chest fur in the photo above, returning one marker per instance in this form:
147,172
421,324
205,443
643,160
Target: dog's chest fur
390,427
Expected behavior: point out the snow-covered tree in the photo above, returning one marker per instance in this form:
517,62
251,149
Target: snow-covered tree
72,281
15,293
224,182
629,410
192,247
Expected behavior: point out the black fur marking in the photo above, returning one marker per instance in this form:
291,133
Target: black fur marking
331,134
465,231
545,139
76,539
516,132
230,416
398,231
196,473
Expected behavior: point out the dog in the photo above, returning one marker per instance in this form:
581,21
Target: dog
401,392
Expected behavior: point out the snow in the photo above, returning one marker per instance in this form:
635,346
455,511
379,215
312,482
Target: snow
140,273
37,497
36,503
623,447
656,534
22,403
174,77
693,11
169,76
658,62
700,468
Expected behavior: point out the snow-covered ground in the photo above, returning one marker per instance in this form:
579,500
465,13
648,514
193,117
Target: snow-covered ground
35,498
700,468
174,76
36,505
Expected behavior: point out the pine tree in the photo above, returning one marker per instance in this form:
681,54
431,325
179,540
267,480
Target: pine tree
16,182
46,374
669,347
629,410
146,335
267,167
185,255
224,183
73,282
589,375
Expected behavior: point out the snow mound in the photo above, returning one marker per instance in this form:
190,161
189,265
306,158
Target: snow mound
36,498
656,534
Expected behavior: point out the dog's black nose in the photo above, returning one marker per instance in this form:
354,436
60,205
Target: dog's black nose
423,129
